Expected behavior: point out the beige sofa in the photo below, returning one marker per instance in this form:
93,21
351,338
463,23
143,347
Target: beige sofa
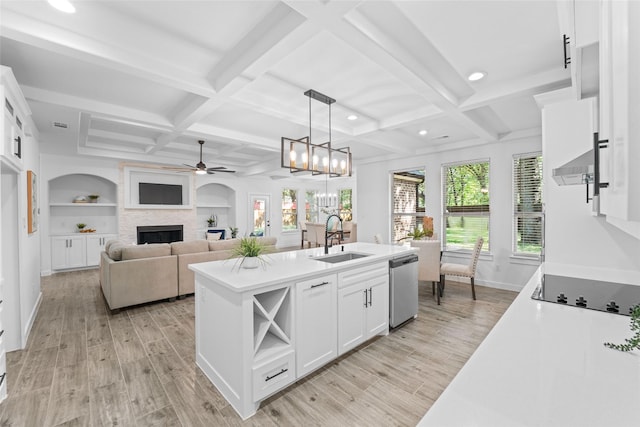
135,274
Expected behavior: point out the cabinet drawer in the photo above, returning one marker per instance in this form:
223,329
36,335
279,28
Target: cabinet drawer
358,275
273,376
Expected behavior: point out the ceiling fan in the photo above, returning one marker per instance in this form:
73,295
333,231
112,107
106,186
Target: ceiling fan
200,168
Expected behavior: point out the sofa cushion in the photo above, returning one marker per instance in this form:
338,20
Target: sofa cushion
192,246
110,242
222,245
213,236
146,251
115,250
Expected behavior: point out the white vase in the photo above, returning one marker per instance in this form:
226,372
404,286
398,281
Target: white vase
250,262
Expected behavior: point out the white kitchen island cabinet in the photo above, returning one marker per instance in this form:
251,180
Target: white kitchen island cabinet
316,311
363,305
259,330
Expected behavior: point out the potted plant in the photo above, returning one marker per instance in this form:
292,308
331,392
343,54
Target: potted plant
249,250
428,232
632,343
416,234
234,232
93,198
81,226
212,220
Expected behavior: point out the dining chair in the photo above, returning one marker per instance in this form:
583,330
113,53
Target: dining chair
429,263
305,236
462,270
353,233
312,236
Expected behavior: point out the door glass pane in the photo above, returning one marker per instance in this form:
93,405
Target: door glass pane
259,216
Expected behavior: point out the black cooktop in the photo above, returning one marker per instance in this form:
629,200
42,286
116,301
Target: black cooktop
612,297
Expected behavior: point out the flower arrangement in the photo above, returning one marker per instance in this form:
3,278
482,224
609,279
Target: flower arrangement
234,232
212,220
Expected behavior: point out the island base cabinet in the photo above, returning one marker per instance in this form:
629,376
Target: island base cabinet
363,305
316,313
273,376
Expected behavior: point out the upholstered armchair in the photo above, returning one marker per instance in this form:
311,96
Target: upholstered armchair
463,270
429,263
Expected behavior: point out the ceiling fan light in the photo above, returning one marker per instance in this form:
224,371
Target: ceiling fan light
423,132
352,117
201,172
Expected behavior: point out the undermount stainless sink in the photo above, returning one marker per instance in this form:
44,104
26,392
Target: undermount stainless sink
341,257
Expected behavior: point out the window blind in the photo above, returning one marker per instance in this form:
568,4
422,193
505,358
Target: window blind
527,204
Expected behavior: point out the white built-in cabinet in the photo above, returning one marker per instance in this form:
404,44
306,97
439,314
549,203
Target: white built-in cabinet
15,113
316,313
70,249
363,305
619,111
68,252
77,250
219,200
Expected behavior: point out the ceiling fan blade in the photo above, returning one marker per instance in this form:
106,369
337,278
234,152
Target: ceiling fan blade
212,170
189,166
217,168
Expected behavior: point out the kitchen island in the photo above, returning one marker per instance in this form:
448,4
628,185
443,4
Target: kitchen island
545,364
259,330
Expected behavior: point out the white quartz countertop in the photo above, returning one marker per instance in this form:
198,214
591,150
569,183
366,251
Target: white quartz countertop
545,364
286,266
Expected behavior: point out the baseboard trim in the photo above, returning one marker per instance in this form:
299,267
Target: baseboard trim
32,318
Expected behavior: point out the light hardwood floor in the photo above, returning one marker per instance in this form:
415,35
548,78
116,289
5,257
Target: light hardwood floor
86,367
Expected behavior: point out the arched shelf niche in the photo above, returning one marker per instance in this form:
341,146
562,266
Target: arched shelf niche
65,213
219,200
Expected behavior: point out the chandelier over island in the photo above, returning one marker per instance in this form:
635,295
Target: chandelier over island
302,155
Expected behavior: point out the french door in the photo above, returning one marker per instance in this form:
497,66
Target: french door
259,214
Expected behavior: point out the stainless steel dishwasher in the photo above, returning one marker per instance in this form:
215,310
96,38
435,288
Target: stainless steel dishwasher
403,289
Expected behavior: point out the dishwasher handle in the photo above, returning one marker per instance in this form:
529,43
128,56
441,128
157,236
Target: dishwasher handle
399,262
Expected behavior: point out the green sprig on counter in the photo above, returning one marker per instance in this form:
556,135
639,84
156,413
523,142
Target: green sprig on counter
633,342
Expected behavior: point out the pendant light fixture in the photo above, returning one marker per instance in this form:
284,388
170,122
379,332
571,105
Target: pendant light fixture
302,155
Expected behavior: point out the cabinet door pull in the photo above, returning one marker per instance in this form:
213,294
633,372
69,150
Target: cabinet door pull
66,243
365,298
1,332
2,378
370,297
268,378
319,284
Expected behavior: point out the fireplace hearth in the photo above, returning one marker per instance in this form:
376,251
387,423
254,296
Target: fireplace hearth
159,234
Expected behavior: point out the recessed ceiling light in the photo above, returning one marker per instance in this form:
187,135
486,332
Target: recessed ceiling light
352,117
63,5
423,132
477,75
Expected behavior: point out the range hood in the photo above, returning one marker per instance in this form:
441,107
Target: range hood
576,171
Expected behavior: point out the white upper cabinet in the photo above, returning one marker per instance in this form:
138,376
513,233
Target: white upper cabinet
14,123
619,112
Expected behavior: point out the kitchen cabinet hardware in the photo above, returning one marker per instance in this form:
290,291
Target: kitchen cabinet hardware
370,297
612,307
581,302
2,378
598,145
365,298
565,43
18,148
319,284
1,332
268,378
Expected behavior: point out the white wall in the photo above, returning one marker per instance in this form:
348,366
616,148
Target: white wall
499,269
576,239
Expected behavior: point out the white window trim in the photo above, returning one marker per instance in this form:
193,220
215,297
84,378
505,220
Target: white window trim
297,229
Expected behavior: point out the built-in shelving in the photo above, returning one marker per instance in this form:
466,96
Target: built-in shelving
84,205
215,199
272,323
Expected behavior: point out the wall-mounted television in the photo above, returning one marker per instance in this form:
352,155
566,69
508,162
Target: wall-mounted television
159,194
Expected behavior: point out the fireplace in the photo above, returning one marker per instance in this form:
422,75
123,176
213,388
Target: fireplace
159,234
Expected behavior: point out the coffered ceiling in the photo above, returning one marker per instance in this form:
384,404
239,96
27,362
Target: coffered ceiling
144,80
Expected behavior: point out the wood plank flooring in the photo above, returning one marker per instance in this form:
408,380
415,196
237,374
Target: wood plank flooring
84,366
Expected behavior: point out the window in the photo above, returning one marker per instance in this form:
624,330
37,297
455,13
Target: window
289,209
345,206
466,205
408,202
311,206
527,204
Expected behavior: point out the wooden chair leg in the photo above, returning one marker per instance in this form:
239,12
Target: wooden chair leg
441,285
438,293
473,289
433,288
